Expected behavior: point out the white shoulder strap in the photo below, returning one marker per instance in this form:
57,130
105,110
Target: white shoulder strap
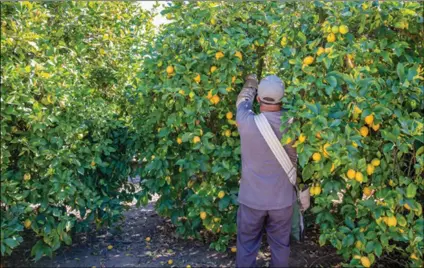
276,147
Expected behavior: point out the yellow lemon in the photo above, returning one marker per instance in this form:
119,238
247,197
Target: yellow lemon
318,135
27,223
283,41
213,21
367,191
375,162
191,95
331,38
27,177
109,247
358,244
359,177
182,92
354,144
320,51
316,157
213,69
227,133
169,69
210,95
228,89
375,127
93,163
335,29
229,115
238,55
233,249
169,17
369,120
179,140
333,167
317,190
407,206
196,139
308,60
233,79
351,174
197,78
288,140
302,138
391,221
343,29
370,169
364,131
215,99
312,190
328,50
219,55
170,262
221,194
203,215
365,262
147,239
414,256
188,266
357,110
216,219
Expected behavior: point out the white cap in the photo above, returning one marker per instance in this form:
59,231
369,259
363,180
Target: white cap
271,89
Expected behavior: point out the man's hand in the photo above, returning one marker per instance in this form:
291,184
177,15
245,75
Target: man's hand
249,90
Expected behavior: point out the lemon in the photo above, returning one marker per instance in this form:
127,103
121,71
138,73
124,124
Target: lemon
229,115
359,177
357,110
351,174
238,55
317,190
369,120
219,55
414,256
93,163
333,167
391,221
197,78
283,41
312,191
335,29
364,131
169,69
27,223
213,21
316,157
354,144
370,169
407,206
302,138
203,215
109,247
27,177
169,17
358,244
367,191
227,133
191,95
375,162
182,92
318,135
328,50
233,249
179,140
343,29
221,194
188,266
196,139
170,262
320,51
375,127
213,69
210,95
331,38
365,262
216,219
215,99
308,60
228,89
288,140
147,239
233,79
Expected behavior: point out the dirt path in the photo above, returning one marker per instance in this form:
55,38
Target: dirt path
131,250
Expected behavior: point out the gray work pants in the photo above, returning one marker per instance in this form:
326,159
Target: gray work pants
250,225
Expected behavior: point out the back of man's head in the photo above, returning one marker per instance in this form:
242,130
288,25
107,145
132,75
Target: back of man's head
271,90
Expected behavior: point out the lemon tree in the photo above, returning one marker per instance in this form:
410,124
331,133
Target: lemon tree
355,84
65,143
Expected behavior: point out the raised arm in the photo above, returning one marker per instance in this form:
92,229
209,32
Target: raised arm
245,99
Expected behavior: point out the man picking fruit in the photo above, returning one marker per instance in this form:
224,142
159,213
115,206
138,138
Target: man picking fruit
266,195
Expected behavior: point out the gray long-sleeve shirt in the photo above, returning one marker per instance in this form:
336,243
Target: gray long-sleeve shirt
264,184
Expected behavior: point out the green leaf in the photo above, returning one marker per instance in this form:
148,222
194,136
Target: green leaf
411,190
400,69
